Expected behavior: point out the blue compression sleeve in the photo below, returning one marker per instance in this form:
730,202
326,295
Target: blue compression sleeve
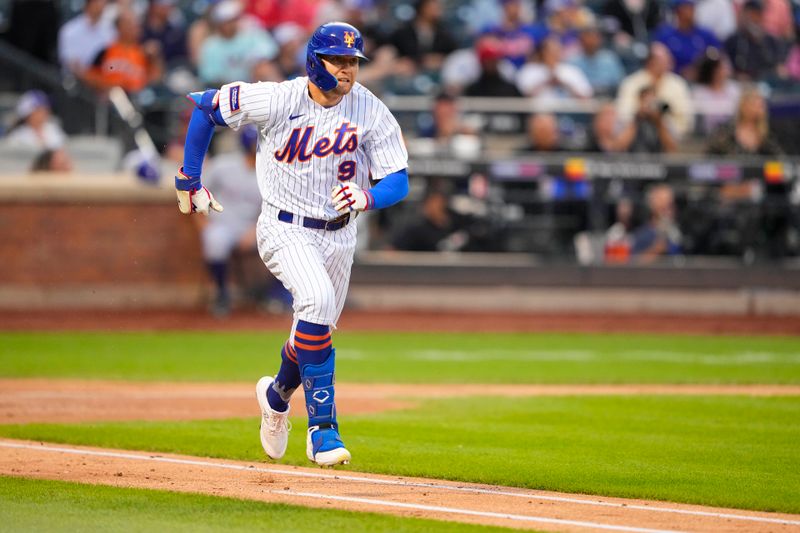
389,190
198,137
199,133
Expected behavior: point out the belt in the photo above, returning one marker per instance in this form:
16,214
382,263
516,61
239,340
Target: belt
316,223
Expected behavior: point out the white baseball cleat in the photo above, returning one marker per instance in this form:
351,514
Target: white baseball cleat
275,425
325,447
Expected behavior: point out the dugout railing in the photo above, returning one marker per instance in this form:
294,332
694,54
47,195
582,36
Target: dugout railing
558,207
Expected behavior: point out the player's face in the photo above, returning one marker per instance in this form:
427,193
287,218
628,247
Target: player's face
344,69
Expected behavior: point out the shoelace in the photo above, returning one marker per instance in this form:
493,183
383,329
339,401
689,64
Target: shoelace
275,422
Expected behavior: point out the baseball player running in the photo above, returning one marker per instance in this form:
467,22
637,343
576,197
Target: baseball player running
321,140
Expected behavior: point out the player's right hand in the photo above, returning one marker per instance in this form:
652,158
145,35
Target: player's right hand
193,197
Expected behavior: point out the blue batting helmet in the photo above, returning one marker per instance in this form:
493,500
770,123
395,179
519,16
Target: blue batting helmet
331,39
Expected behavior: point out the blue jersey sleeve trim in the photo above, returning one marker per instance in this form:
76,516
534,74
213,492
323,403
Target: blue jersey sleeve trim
389,190
208,101
216,116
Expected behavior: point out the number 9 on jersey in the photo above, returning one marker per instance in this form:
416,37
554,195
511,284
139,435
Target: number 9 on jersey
347,170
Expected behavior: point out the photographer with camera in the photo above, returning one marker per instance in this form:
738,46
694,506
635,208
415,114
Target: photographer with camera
669,88
648,131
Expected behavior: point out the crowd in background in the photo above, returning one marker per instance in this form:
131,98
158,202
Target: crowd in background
659,60
663,73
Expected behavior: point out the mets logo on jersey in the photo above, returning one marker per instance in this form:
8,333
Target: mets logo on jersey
298,147
349,39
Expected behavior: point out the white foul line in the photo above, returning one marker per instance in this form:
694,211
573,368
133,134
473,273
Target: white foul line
486,514
398,482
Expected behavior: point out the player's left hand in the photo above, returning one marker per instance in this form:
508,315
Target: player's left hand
193,197
348,196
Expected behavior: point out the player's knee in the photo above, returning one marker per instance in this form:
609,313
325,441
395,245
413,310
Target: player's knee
318,307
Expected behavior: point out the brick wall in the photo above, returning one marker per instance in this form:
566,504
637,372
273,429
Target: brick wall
85,243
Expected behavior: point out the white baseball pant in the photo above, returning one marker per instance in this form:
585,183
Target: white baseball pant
313,264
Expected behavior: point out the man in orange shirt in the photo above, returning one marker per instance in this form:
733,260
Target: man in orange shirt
126,63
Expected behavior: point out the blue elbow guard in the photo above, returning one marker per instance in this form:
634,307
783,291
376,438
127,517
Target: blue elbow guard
208,102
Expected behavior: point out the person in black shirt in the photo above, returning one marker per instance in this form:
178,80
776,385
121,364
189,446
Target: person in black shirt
163,25
435,231
425,39
490,82
648,132
754,53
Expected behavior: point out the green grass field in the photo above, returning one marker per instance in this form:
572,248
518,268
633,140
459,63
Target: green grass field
734,451
411,358
57,506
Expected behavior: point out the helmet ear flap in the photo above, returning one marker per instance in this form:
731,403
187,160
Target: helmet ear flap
318,74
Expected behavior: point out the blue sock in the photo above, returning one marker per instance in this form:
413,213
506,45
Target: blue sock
315,357
312,342
287,380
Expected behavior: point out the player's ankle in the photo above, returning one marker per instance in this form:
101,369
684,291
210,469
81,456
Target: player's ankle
275,401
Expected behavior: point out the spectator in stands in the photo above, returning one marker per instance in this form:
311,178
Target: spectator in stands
715,92
291,40
199,30
233,177
424,39
163,25
33,27
447,130
83,37
778,20
232,52
604,135
35,128
126,63
556,20
272,13
446,120
602,67
632,21
463,67
543,134
517,36
561,20
660,236
491,81
648,131
670,89
684,38
617,242
549,77
793,60
754,53
749,134
266,71
719,16
435,231
329,10
52,161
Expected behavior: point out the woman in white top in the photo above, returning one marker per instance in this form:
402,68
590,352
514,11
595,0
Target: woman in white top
715,93
551,78
35,127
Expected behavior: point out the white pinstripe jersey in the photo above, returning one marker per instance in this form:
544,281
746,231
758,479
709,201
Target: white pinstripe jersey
305,149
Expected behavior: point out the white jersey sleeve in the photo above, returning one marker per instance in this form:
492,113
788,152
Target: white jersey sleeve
385,146
243,103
